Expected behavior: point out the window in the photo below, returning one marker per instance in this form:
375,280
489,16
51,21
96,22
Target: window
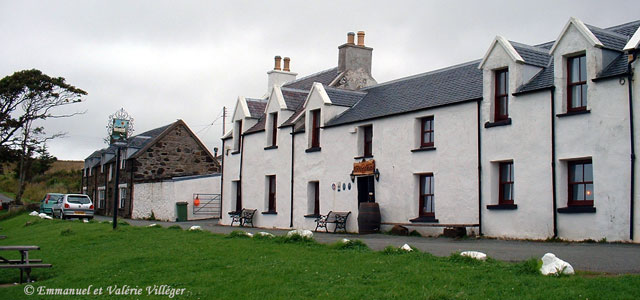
577,83
501,95
426,135
315,128
315,195
426,196
274,129
237,137
238,187
506,183
368,141
581,183
90,171
271,181
110,175
101,198
123,197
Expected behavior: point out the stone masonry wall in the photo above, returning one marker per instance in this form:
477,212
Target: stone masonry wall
175,154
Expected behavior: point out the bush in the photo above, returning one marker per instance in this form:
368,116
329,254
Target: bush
238,234
175,227
295,239
457,258
530,266
11,214
392,250
66,232
357,245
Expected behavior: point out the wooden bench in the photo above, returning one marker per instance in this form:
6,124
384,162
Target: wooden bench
336,217
244,217
24,263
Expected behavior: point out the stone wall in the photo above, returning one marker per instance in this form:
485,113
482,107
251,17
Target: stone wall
175,154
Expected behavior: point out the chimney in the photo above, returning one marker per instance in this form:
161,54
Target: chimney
354,64
277,65
279,76
286,64
361,38
350,37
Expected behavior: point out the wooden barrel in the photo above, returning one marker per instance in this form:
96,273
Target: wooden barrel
369,217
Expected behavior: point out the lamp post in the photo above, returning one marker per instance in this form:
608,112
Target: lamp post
120,127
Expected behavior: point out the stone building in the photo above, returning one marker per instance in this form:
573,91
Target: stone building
531,141
158,157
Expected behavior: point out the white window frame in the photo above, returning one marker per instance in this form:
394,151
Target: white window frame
102,195
122,195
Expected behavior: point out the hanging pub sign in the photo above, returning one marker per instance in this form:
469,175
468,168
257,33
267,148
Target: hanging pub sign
366,167
119,127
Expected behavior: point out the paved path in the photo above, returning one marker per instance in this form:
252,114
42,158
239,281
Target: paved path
596,257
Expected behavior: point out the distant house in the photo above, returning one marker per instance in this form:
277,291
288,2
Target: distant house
150,164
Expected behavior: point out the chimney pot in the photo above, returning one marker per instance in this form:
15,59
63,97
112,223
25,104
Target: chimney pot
360,38
286,64
277,61
350,38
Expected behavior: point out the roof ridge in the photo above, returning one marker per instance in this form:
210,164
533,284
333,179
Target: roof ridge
530,47
342,90
310,75
612,28
423,74
294,89
613,33
255,99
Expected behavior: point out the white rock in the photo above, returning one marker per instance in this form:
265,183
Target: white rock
85,220
301,232
195,227
474,254
48,218
262,233
345,241
249,234
406,247
33,213
551,265
42,215
153,225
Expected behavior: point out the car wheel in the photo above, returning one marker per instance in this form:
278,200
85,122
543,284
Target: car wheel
62,217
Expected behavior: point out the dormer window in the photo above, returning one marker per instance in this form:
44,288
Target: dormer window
273,129
577,83
237,134
315,128
501,93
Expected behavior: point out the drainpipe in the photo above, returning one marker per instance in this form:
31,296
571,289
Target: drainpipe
632,58
240,172
292,148
222,178
553,162
479,171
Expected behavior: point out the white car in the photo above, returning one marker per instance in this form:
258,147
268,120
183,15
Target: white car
73,206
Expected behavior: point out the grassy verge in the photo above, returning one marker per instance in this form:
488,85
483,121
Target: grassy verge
213,266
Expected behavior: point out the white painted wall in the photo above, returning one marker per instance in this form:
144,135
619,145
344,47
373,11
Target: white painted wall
161,197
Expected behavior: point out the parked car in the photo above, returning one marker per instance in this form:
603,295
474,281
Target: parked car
49,201
73,206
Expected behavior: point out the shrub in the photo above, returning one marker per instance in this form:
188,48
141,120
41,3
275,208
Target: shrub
457,258
66,232
392,250
530,266
175,227
295,239
357,245
237,234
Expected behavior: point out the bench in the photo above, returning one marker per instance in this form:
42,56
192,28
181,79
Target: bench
24,263
336,217
243,217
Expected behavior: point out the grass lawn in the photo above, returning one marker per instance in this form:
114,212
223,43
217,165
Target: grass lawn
211,266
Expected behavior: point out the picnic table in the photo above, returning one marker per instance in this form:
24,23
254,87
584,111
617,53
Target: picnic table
24,263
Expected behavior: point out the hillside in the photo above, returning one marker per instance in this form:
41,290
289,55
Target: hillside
65,176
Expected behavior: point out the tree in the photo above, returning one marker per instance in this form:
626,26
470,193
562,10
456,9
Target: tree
27,97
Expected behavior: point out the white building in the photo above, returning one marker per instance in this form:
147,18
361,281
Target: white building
531,141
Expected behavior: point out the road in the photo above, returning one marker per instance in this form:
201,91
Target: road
596,257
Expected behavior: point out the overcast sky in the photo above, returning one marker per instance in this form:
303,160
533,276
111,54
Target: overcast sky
168,60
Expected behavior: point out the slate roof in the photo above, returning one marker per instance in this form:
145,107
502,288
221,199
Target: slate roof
256,107
289,122
627,29
609,39
294,98
256,128
342,97
325,77
542,80
441,87
617,67
141,140
532,55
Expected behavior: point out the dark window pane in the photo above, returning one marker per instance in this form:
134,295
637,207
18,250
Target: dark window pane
575,70
583,94
583,68
588,172
589,192
423,184
506,190
500,82
576,172
578,192
504,172
576,98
